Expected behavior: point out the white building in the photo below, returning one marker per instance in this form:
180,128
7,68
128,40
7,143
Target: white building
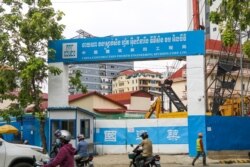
131,80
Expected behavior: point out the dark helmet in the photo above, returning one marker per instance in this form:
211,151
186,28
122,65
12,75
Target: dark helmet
144,135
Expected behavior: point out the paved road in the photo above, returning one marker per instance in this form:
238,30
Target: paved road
174,165
210,165
122,160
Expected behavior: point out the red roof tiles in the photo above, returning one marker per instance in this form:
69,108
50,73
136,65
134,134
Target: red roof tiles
74,97
216,45
125,97
80,96
178,73
131,72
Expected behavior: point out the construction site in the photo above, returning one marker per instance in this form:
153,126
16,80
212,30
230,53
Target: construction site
208,95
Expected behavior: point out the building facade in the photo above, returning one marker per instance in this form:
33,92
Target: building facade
131,80
98,77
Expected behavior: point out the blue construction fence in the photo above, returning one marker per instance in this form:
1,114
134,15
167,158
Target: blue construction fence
228,133
222,133
30,131
158,135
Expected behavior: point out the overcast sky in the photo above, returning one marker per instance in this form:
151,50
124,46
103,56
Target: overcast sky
124,17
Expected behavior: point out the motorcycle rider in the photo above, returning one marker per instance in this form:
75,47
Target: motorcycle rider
147,149
65,156
82,148
57,145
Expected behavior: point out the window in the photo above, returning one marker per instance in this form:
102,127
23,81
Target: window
214,29
68,125
85,128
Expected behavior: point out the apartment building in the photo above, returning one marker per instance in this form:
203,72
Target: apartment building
131,80
98,77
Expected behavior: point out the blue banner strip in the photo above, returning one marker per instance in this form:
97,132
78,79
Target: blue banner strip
128,48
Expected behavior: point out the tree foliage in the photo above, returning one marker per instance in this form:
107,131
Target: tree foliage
233,17
25,28
75,81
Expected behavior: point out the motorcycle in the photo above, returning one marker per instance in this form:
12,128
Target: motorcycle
85,161
153,161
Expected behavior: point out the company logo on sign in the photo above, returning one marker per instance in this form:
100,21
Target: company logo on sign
69,50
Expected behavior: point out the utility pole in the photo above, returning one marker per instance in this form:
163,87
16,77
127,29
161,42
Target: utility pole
196,15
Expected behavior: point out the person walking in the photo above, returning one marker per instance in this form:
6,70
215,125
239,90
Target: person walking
200,150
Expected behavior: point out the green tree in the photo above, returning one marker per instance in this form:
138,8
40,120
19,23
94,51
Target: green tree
25,28
75,82
233,17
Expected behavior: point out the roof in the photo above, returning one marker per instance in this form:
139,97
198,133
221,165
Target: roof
99,110
75,97
216,45
131,72
146,71
68,108
81,96
127,72
137,111
125,97
178,73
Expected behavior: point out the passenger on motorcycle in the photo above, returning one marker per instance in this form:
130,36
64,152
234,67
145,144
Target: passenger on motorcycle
56,145
82,148
147,149
65,156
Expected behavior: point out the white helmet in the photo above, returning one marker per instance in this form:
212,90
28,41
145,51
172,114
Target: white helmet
64,134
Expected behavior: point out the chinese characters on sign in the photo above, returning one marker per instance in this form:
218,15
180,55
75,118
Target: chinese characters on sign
127,48
110,136
173,135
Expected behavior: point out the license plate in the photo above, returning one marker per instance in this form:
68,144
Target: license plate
157,162
91,162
